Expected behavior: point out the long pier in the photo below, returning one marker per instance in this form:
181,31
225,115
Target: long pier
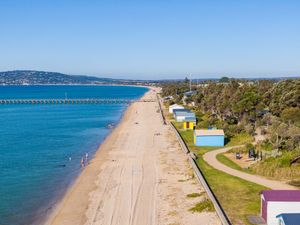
72,101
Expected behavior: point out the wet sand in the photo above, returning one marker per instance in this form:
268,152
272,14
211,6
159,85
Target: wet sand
139,176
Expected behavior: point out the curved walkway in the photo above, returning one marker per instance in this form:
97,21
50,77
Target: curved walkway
210,158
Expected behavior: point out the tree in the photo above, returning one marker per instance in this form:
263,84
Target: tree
224,80
291,115
294,134
186,80
277,131
282,95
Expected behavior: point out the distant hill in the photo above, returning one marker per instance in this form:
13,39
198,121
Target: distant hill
31,77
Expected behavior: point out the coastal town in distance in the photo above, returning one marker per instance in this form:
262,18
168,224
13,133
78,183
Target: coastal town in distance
149,112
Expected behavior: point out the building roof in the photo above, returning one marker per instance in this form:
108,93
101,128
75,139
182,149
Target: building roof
175,105
181,110
190,119
281,195
290,218
186,114
209,132
190,93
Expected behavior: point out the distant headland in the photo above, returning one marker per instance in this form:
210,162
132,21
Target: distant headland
33,77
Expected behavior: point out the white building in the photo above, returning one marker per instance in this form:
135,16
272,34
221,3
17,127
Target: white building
276,202
175,106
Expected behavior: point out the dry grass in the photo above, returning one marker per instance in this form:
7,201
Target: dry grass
204,206
194,195
278,168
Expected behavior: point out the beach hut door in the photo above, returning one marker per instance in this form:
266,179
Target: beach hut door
187,124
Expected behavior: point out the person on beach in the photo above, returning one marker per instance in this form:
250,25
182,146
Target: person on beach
82,162
86,158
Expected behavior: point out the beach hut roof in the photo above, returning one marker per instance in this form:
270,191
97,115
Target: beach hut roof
209,132
189,93
175,105
181,111
186,114
281,195
290,218
190,119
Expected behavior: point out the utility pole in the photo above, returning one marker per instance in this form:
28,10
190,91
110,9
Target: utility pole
190,83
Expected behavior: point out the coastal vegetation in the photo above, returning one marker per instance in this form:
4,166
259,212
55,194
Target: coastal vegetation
194,195
260,115
245,110
203,206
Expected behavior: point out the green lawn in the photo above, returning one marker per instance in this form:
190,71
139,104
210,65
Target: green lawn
228,162
238,197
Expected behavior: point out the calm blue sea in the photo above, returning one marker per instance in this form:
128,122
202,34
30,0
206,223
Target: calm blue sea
36,142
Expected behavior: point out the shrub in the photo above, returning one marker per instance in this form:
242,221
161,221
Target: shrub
204,206
194,195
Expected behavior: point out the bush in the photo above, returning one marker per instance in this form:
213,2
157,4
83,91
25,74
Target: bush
295,183
264,146
204,206
194,195
263,131
249,146
232,130
250,129
240,139
279,167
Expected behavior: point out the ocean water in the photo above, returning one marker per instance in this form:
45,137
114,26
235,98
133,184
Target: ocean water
38,141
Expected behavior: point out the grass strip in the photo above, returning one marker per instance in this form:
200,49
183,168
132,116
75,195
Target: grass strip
228,162
239,198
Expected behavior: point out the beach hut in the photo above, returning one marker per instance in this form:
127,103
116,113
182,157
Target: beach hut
175,106
177,112
189,123
276,202
288,219
180,110
182,115
209,137
189,93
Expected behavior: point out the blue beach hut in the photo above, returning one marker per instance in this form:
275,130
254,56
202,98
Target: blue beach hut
209,137
176,111
181,116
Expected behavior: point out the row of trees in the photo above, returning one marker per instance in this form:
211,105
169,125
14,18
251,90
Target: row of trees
238,100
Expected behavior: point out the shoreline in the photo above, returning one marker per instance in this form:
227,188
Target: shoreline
138,175
50,216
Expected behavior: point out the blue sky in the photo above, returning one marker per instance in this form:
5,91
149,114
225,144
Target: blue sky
152,39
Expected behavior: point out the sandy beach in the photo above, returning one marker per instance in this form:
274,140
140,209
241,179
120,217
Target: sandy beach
139,176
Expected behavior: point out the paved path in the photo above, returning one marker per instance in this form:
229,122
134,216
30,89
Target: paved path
210,158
